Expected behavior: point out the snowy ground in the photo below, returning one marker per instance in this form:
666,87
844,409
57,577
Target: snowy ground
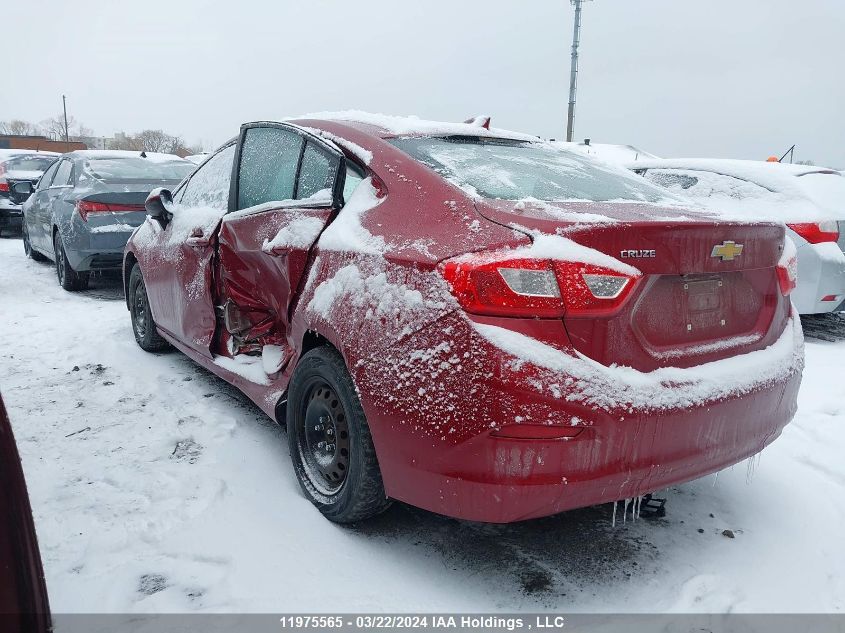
157,487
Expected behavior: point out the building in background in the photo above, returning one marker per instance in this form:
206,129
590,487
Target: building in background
16,141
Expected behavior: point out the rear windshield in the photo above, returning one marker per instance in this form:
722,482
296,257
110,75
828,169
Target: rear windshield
515,170
132,168
29,163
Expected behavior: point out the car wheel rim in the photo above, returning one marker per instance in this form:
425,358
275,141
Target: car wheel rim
323,438
139,311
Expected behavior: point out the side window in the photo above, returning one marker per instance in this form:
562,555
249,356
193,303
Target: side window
671,179
354,177
47,176
269,158
63,173
317,173
209,186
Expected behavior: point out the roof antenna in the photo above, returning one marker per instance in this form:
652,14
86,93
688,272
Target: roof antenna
143,154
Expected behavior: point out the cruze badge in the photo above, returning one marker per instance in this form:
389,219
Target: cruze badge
638,253
728,251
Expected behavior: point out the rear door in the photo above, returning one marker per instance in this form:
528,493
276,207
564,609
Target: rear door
178,270
39,200
61,186
284,191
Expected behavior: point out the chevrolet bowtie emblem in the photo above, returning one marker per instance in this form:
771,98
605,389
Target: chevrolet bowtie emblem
728,251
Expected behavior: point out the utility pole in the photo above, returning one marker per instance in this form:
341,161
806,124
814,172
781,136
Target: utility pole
64,107
573,73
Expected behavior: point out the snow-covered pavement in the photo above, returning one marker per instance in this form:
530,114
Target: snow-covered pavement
158,487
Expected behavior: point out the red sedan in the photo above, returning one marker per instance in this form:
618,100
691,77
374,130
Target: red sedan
468,320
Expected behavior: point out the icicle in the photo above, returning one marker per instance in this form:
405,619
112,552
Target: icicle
716,478
625,511
613,524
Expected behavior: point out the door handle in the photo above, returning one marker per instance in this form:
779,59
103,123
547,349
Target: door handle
198,242
197,239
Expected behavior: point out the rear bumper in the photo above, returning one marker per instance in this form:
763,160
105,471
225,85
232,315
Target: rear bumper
95,247
499,480
441,453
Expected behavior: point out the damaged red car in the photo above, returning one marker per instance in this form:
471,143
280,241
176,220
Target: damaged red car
468,320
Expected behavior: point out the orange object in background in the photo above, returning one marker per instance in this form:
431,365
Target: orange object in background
773,159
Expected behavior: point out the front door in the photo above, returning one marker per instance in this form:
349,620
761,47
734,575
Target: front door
285,189
178,270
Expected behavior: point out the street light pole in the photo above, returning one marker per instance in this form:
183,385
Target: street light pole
573,73
67,140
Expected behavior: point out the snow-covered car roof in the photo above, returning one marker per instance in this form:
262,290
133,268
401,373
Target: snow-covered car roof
802,195
386,125
9,153
774,176
109,153
610,152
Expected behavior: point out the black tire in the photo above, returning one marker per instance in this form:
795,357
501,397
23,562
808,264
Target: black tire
344,482
27,247
143,326
69,279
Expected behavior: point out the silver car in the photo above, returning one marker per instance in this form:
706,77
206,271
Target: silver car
809,200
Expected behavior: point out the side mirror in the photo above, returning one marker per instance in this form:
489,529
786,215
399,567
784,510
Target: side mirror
158,205
20,191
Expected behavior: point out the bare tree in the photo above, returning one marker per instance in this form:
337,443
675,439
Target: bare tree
19,128
151,141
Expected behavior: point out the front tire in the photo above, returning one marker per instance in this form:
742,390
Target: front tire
329,440
69,279
143,326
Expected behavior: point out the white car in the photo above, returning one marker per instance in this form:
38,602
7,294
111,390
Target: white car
809,200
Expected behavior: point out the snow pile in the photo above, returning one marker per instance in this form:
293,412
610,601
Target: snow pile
346,233
669,387
300,232
412,125
251,368
373,293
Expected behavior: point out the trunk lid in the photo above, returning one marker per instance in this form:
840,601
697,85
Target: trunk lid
691,306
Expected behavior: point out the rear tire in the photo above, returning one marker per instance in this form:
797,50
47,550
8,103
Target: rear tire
69,279
143,326
323,411
27,246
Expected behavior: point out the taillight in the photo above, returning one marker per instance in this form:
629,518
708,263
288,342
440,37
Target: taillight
788,268
4,186
591,290
817,232
517,287
87,207
535,287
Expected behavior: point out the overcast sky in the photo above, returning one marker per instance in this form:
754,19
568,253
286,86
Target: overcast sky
742,79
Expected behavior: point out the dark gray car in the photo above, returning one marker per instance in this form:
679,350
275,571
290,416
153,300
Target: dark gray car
86,205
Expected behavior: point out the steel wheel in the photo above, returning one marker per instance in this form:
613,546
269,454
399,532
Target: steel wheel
323,438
